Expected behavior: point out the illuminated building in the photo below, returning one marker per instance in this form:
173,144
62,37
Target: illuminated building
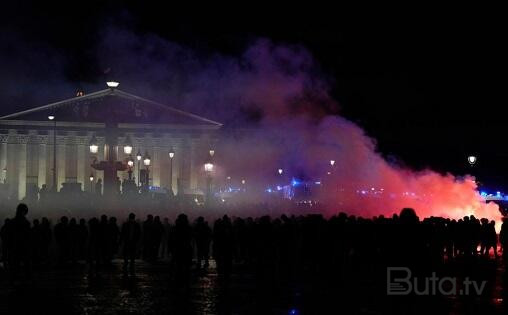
87,122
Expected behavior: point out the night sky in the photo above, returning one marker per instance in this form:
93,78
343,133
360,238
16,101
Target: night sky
429,88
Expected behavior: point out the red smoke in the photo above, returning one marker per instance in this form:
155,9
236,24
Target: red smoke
273,101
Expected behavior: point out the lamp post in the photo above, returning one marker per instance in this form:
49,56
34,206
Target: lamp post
146,162
138,157
208,171
91,182
130,164
52,118
171,155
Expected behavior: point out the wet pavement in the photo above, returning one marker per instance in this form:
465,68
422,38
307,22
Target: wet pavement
71,291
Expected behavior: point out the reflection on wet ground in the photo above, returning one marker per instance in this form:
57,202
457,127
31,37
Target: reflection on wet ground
72,291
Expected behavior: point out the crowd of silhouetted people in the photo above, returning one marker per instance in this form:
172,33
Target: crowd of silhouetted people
283,248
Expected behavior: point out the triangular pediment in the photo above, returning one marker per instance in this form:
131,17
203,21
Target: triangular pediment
112,105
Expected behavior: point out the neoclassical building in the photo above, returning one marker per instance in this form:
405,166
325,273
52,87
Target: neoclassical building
28,150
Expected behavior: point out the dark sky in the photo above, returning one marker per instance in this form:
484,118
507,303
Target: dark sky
429,87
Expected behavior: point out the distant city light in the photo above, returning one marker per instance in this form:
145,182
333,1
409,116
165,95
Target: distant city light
279,188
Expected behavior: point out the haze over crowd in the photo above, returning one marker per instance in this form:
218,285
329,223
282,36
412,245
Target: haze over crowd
277,112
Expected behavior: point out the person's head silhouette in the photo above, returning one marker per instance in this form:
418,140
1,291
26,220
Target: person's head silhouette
21,210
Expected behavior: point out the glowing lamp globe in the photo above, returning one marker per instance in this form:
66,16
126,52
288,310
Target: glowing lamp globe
332,162
130,163
171,154
471,159
94,148
208,167
138,156
112,84
212,152
243,181
127,149
91,178
51,117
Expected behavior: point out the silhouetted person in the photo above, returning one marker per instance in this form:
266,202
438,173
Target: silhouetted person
94,246
203,236
129,238
73,240
164,252
148,238
113,237
503,239
158,231
62,239
223,246
82,238
19,249
46,238
36,239
105,241
182,249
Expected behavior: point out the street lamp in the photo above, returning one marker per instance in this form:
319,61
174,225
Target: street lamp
94,147
471,159
146,162
127,149
212,152
332,162
130,164
91,182
52,118
138,158
208,171
171,156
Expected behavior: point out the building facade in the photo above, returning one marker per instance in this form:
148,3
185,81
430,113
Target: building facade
31,144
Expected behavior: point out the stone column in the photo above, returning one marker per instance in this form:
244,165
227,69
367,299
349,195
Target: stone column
156,169
60,163
41,178
3,159
82,165
194,169
22,169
